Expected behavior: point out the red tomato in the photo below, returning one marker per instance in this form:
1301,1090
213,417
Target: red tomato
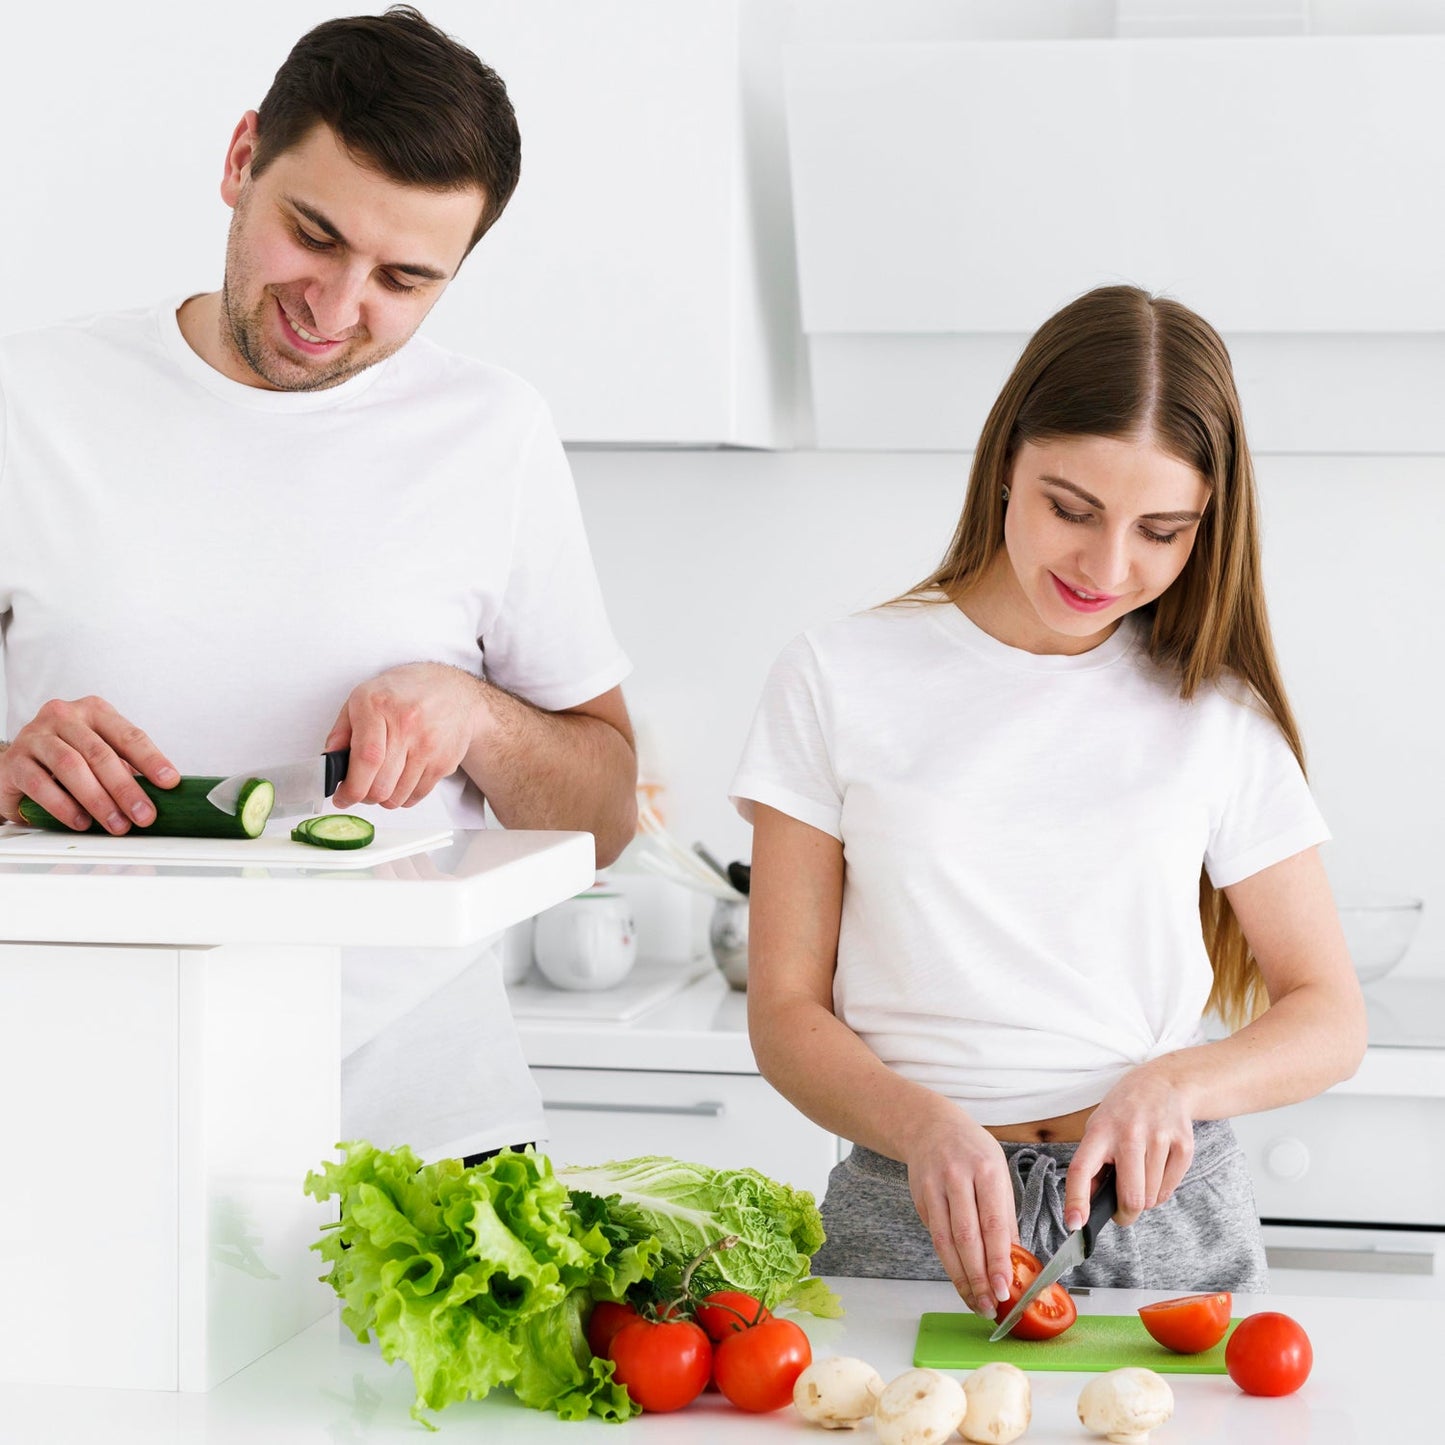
1189,1324
1049,1315
1268,1354
665,1364
607,1317
725,1311
757,1368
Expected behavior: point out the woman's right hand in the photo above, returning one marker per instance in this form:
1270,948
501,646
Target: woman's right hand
78,760
958,1176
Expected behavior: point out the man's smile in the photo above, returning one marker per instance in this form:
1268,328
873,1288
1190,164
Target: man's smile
311,342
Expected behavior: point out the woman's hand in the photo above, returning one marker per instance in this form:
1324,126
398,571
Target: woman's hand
1144,1125
959,1179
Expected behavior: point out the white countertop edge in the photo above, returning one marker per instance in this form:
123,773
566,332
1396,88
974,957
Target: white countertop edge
554,1046
399,905
1404,1072
700,1029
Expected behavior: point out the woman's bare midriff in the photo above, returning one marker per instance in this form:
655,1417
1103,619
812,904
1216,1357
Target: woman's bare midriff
1066,1129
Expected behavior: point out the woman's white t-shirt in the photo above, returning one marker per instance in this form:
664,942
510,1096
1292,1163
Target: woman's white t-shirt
1023,837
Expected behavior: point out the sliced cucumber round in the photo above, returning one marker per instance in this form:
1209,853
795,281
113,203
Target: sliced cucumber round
253,805
335,830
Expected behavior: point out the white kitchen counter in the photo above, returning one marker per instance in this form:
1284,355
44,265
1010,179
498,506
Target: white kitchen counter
1374,1380
703,1028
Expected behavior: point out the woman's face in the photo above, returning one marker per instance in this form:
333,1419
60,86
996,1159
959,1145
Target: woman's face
1094,528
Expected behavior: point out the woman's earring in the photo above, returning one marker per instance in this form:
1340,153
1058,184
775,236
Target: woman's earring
1005,494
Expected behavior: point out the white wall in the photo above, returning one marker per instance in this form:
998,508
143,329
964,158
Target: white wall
712,561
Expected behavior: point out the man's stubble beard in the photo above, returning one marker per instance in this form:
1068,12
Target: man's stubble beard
243,332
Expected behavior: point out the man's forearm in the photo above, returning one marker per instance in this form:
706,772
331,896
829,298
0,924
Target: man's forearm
555,770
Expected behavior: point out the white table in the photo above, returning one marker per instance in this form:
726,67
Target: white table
169,1071
1374,1381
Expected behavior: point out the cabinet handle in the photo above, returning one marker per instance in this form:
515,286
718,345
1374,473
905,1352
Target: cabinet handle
1355,1261
707,1109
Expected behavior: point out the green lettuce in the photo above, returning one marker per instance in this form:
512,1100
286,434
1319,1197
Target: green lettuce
688,1207
483,1277
476,1277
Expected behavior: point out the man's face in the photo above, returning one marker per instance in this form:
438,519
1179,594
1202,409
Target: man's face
330,265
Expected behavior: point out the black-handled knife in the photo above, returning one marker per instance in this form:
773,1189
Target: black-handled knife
1074,1250
300,787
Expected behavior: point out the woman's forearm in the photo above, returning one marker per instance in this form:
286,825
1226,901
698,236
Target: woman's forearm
827,1072
1308,1041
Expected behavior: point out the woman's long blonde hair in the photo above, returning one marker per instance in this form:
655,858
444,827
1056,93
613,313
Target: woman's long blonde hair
1119,362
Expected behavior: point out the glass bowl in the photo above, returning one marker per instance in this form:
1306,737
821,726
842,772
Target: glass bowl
1378,929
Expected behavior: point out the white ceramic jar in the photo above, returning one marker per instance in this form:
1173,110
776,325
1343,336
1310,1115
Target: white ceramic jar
588,942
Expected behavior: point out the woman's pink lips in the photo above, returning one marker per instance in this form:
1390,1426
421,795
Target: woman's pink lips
311,348
1079,604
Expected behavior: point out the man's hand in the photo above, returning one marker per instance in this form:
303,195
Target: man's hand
407,730
78,760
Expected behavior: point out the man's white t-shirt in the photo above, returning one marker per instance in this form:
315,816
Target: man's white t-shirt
1023,837
223,564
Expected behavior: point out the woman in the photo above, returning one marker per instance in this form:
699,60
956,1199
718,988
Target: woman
1018,831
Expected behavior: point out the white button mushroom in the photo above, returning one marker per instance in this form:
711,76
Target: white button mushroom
920,1407
837,1392
1125,1405
1000,1404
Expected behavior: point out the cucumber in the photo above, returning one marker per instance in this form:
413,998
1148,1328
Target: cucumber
334,830
182,811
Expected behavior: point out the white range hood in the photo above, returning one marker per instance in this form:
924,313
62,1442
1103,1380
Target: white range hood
949,196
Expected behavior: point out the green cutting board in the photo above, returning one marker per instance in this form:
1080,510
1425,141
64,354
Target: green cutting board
949,1341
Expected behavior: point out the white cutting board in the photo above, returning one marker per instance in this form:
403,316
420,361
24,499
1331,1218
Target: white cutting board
274,848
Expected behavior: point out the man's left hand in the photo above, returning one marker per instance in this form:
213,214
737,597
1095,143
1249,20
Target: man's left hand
407,729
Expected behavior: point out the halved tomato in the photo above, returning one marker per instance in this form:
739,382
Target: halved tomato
1191,1323
1050,1314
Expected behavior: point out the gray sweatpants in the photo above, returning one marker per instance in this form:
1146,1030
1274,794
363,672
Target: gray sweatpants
1205,1237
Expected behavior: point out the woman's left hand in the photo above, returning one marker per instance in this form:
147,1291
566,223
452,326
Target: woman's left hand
1143,1125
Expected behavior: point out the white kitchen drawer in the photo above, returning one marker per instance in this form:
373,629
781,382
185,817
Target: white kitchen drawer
727,1120
1349,1158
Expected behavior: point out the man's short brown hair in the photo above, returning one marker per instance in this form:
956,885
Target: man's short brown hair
402,97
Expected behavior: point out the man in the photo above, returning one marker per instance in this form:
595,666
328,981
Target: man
268,521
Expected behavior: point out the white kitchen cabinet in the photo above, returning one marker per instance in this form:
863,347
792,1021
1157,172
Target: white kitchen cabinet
724,1120
679,1079
1272,183
1349,1158
623,281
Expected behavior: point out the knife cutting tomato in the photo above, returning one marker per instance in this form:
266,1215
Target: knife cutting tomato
1048,1315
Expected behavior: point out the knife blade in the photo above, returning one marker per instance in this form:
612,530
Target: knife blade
300,787
1074,1250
